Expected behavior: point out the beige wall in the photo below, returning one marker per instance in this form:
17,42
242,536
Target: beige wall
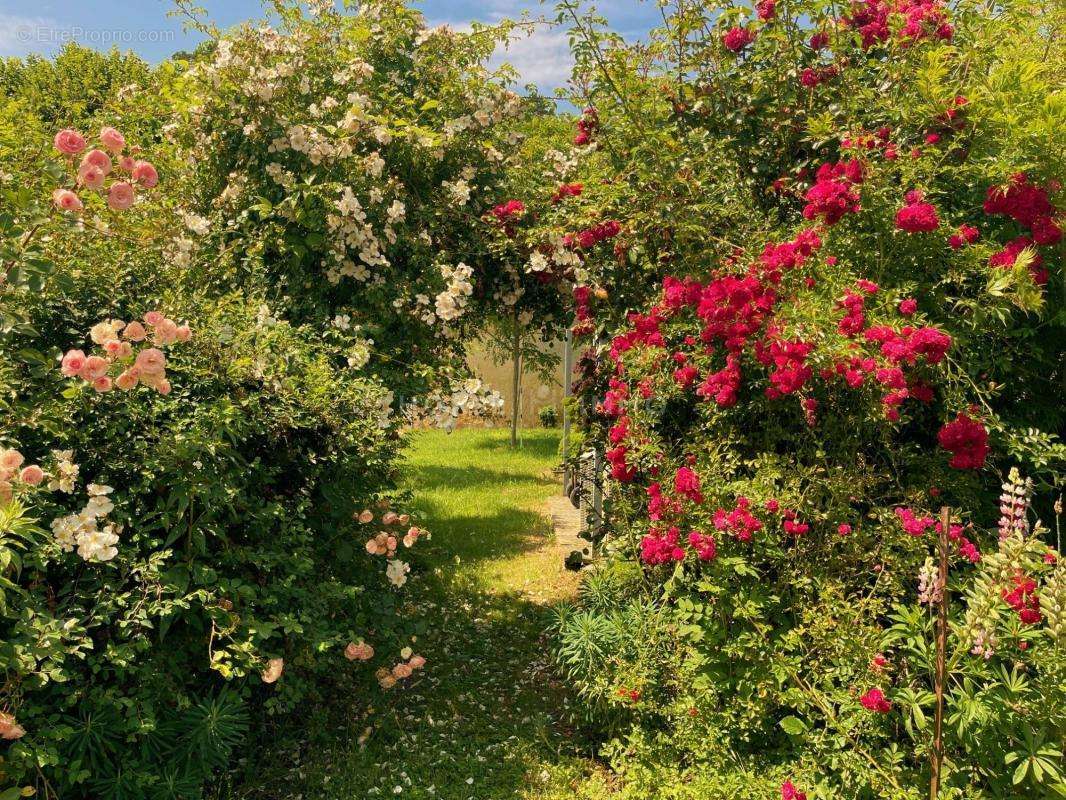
535,392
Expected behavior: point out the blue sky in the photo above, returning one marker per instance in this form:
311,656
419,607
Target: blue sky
42,26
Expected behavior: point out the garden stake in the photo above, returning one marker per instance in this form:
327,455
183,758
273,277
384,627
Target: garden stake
941,657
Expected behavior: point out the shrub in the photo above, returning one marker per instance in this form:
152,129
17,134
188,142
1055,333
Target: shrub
548,416
797,351
208,539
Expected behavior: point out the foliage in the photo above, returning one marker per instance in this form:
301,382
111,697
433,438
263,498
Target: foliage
225,566
796,351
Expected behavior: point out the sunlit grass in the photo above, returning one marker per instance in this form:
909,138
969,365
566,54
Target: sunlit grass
487,718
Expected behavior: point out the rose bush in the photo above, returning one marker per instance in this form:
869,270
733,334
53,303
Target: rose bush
828,301
219,307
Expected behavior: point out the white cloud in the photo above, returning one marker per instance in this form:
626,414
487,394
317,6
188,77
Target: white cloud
542,58
21,35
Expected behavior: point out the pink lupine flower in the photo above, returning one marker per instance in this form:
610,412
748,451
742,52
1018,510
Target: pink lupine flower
66,200
112,140
120,196
69,142
144,173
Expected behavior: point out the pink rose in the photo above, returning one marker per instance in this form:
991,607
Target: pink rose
91,176
145,174
389,518
166,332
366,516
127,380
11,460
125,350
32,475
102,384
135,332
401,671
113,347
6,493
163,386
120,196
184,332
9,728
99,159
95,367
127,163
153,318
69,141
273,670
66,200
151,361
112,140
417,662
358,652
73,363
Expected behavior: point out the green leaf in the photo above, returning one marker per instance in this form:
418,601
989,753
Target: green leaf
793,726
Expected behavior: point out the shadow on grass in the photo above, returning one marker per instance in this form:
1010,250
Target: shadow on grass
486,713
542,443
504,533
455,478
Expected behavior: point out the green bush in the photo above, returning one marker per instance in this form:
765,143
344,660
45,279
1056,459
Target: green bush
548,416
763,321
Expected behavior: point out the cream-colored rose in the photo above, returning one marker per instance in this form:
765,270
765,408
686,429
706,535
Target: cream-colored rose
273,670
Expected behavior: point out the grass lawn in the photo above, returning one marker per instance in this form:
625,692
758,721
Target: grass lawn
486,719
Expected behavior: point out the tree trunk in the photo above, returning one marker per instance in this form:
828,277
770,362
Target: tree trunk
516,382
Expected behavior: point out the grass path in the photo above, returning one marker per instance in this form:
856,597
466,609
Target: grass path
485,720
